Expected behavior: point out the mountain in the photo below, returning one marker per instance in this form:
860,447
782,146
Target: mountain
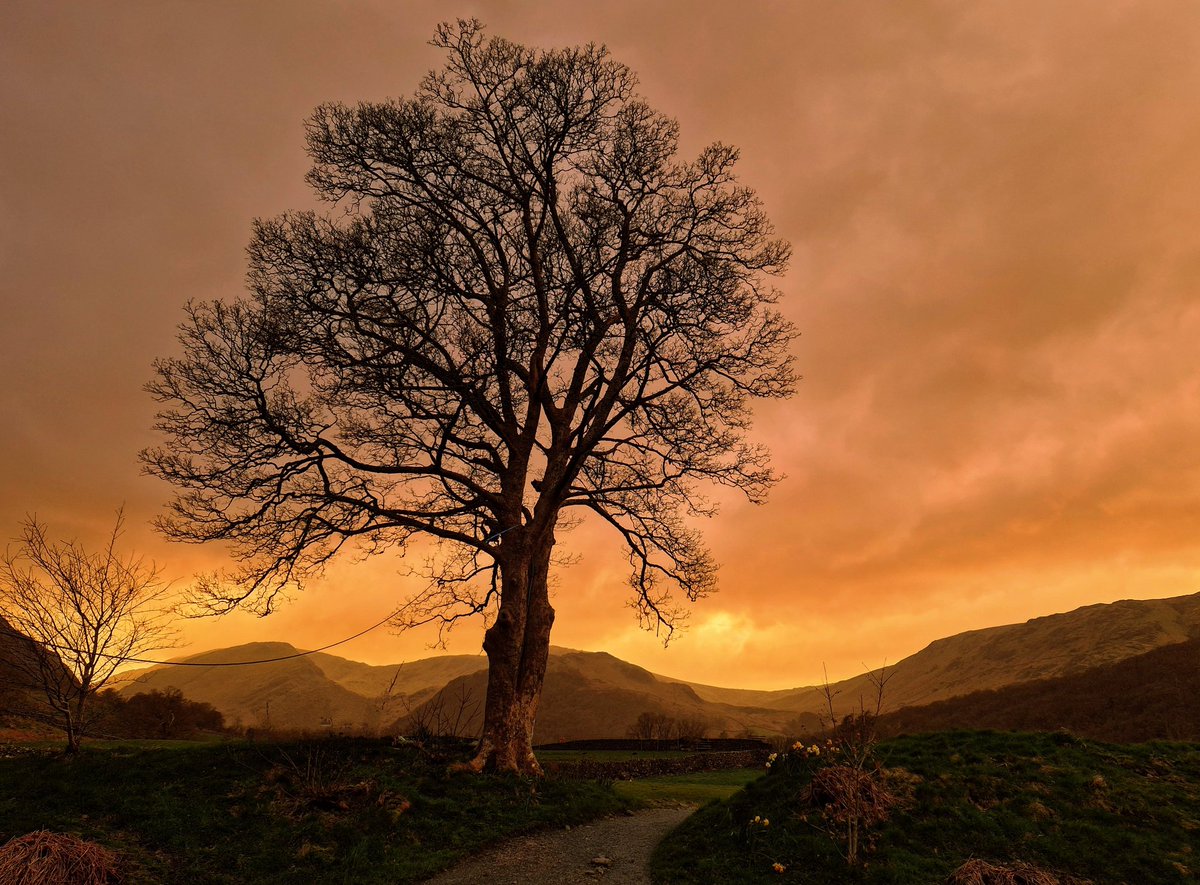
23,703
1055,645
593,694
1150,696
304,692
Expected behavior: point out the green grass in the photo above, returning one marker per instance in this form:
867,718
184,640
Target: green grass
1108,813
324,811
547,756
699,788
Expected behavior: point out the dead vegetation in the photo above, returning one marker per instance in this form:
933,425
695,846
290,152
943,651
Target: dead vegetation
980,872
45,858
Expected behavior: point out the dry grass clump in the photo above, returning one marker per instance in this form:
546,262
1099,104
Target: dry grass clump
980,872
45,858
846,793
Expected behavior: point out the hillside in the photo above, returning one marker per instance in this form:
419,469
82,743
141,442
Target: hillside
593,694
1146,697
596,695
21,696
408,678
1055,645
285,694
1079,812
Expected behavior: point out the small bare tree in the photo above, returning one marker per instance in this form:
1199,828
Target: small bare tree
77,616
450,714
852,789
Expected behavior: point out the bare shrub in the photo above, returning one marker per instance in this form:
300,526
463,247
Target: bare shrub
45,858
852,797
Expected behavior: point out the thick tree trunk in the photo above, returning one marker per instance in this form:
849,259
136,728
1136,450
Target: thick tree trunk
518,648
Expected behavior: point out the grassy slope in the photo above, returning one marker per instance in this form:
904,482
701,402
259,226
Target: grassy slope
1146,697
1055,645
1109,813
327,811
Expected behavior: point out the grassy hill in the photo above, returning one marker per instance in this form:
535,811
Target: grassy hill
308,693
285,694
1105,813
977,660
596,695
23,707
1146,697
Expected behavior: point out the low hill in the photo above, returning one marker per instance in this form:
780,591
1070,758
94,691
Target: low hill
1146,697
593,695
308,693
292,693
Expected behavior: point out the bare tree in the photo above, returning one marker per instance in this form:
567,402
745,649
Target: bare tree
78,616
853,790
651,726
449,714
691,729
524,304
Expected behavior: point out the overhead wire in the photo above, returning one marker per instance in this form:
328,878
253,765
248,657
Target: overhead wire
132,660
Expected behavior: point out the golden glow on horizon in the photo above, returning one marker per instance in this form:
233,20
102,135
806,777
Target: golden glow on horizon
994,209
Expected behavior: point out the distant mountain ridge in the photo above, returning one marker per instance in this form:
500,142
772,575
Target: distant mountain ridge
593,694
1053,645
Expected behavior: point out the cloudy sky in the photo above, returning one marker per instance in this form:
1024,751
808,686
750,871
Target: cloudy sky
995,211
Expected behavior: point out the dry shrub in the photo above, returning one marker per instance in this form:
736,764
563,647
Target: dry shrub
980,872
848,792
45,858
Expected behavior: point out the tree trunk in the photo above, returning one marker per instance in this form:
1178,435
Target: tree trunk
72,732
518,648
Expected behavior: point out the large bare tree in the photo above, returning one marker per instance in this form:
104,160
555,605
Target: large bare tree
72,617
526,304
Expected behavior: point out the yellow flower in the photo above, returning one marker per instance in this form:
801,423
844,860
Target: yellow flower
778,867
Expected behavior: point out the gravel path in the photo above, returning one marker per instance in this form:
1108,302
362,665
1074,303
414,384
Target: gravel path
563,857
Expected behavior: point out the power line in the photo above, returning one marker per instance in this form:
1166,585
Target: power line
299,654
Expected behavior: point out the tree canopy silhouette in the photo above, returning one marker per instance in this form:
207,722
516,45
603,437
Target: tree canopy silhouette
526,304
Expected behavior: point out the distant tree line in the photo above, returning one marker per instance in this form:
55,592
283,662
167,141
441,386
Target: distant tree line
165,715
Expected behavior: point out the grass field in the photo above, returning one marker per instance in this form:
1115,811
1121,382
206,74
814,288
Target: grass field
698,788
1106,813
325,811
547,756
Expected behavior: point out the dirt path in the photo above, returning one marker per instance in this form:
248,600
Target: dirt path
563,857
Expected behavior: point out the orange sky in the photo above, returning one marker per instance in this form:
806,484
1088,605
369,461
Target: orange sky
994,208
